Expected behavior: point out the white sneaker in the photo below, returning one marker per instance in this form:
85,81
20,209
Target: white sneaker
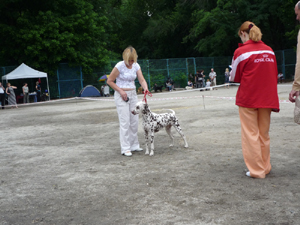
127,153
137,150
248,174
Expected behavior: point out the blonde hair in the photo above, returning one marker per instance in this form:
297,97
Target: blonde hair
227,70
251,29
130,54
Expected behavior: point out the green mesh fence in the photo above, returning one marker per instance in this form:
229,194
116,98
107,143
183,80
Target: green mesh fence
286,61
67,81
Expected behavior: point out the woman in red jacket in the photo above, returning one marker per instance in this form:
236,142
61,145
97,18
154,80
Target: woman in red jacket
254,67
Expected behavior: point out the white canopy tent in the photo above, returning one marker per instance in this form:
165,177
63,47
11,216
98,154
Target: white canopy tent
23,72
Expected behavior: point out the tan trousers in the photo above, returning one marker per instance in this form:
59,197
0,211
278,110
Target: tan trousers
255,124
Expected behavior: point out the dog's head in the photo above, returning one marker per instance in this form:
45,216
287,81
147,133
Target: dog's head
140,107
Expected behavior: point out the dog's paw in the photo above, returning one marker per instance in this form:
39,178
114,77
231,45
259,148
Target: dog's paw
186,146
171,145
151,153
147,153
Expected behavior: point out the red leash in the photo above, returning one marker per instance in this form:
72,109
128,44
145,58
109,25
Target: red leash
145,96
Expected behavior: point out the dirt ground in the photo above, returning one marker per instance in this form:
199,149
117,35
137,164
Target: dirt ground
60,163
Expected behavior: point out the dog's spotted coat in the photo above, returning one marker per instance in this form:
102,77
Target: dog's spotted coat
153,122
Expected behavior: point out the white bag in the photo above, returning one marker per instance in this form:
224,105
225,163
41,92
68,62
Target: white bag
297,111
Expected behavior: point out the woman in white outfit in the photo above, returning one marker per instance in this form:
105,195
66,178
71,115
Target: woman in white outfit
124,73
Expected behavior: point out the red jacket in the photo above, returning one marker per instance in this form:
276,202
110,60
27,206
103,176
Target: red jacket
254,66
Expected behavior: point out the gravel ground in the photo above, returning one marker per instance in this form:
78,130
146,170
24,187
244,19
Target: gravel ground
60,163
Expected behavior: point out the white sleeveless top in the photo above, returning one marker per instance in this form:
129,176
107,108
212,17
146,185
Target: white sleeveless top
127,76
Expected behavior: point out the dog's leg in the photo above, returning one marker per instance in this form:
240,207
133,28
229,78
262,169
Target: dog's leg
152,143
168,129
147,142
179,130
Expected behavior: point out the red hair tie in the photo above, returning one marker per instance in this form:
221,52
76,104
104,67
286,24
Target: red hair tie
250,26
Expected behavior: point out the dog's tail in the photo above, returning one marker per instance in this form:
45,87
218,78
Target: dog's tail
173,112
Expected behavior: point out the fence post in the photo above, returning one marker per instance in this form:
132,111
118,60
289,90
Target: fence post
3,68
283,64
187,66
168,68
148,68
81,77
187,69
58,82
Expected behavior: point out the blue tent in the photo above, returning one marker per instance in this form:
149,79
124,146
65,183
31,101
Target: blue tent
89,91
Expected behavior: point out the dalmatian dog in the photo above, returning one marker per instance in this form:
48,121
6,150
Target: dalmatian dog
153,122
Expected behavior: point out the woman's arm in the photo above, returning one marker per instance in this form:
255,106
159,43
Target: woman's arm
111,82
7,91
142,80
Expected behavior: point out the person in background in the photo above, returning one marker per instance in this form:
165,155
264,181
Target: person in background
256,100
227,74
102,89
213,77
25,93
203,76
124,73
199,79
11,95
207,86
2,96
106,90
38,91
169,85
296,84
280,77
190,83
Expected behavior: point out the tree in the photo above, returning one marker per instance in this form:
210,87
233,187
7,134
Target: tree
157,27
215,31
45,33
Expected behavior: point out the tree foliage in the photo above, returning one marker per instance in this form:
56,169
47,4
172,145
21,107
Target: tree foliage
45,33
92,32
215,31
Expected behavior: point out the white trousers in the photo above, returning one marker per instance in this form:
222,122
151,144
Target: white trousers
128,122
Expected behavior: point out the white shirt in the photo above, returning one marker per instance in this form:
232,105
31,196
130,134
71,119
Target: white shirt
106,90
212,74
208,84
1,90
25,89
127,76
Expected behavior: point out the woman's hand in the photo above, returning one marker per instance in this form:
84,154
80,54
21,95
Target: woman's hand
146,89
123,95
293,95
